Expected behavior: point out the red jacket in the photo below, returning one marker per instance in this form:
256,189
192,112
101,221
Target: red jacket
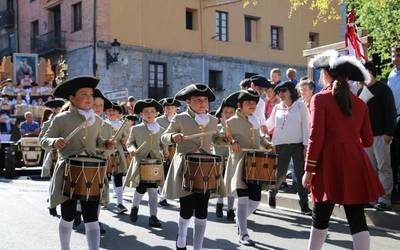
343,173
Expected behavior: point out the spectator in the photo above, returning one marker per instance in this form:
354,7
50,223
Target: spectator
382,113
9,88
394,84
5,122
290,119
291,75
19,100
245,83
130,104
275,75
6,104
29,126
306,89
21,91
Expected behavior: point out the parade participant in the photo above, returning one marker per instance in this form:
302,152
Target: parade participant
245,83
193,121
169,105
338,170
145,136
50,155
290,120
260,84
132,120
79,91
114,115
243,131
225,111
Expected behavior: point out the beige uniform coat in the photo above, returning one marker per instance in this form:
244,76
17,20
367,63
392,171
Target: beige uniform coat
121,142
185,123
86,140
47,158
243,132
153,148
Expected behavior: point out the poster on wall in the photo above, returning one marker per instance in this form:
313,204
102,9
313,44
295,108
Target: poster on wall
25,68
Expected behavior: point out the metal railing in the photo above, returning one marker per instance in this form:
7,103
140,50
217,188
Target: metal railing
6,18
7,44
48,42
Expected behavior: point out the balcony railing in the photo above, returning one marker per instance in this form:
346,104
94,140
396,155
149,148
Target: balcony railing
7,44
6,18
48,43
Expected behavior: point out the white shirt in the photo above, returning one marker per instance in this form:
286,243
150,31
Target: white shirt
291,124
260,113
394,84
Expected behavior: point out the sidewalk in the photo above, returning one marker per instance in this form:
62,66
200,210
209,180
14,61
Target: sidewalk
388,220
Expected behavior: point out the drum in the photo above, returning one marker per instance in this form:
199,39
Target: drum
260,167
151,171
113,164
202,173
84,178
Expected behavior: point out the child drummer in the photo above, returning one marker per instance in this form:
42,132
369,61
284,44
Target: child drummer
243,131
194,121
170,106
79,91
225,111
144,143
114,115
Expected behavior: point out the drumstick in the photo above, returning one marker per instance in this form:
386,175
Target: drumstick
114,137
139,148
76,130
253,150
186,137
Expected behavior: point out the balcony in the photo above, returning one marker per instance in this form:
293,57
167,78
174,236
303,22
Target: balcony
7,44
52,42
7,18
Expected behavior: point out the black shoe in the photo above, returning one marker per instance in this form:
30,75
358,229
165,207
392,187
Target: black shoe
380,206
305,209
246,241
102,230
163,203
53,211
179,248
219,212
154,222
230,215
133,216
77,219
272,202
121,209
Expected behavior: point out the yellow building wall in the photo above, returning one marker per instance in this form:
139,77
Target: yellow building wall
161,24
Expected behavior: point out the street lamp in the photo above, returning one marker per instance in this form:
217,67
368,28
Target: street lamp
113,57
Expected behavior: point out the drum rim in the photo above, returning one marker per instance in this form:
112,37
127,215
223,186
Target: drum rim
258,153
150,161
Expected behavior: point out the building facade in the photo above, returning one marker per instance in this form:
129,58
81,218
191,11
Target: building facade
166,45
8,44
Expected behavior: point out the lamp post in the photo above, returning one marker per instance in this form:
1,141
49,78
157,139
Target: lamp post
113,56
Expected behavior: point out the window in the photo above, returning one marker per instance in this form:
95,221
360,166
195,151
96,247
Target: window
248,74
157,80
313,39
276,37
77,16
189,19
250,28
34,34
221,26
215,79
10,4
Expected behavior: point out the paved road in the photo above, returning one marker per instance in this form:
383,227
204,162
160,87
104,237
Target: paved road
25,224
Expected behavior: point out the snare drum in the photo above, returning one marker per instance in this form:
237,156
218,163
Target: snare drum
260,167
171,152
84,178
151,171
202,173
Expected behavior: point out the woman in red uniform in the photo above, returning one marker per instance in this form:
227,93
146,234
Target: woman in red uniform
338,170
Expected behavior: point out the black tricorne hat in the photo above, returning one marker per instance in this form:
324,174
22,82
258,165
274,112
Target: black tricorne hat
260,81
230,101
133,118
195,90
117,107
169,101
107,103
248,95
351,68
55,103
70,86
141,104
